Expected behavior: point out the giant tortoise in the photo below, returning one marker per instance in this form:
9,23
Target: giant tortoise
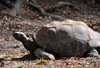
67,38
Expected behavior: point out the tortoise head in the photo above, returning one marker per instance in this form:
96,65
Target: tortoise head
28,44
20,36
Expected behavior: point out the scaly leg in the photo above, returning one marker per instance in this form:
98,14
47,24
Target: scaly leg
43,54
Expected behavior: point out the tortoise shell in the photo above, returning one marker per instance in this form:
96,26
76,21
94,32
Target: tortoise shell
67,38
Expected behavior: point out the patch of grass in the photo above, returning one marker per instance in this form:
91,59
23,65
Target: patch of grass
69,11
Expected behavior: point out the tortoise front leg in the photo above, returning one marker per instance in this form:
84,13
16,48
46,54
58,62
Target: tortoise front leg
93,53
43,54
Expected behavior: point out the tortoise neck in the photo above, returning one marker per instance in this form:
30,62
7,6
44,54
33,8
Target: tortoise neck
25,40
29,45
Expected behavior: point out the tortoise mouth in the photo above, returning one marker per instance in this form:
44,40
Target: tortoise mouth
16,36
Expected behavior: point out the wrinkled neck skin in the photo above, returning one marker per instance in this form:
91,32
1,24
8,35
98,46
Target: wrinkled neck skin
28,44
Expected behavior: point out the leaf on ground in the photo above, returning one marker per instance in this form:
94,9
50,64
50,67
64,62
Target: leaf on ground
3,56
42,61
18,63
2,39
1,64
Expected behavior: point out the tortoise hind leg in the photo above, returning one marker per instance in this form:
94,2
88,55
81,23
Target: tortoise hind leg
40,53
92,53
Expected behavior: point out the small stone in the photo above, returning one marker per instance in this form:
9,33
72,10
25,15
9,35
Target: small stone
40,18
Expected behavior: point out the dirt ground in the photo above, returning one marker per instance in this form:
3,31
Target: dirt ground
14,55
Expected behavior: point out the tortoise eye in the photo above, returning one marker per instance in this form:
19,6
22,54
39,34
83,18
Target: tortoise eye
15,34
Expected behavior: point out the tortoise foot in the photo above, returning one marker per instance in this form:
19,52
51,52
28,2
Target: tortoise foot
93,53
40,53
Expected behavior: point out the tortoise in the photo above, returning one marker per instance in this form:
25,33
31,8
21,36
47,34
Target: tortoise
67,38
